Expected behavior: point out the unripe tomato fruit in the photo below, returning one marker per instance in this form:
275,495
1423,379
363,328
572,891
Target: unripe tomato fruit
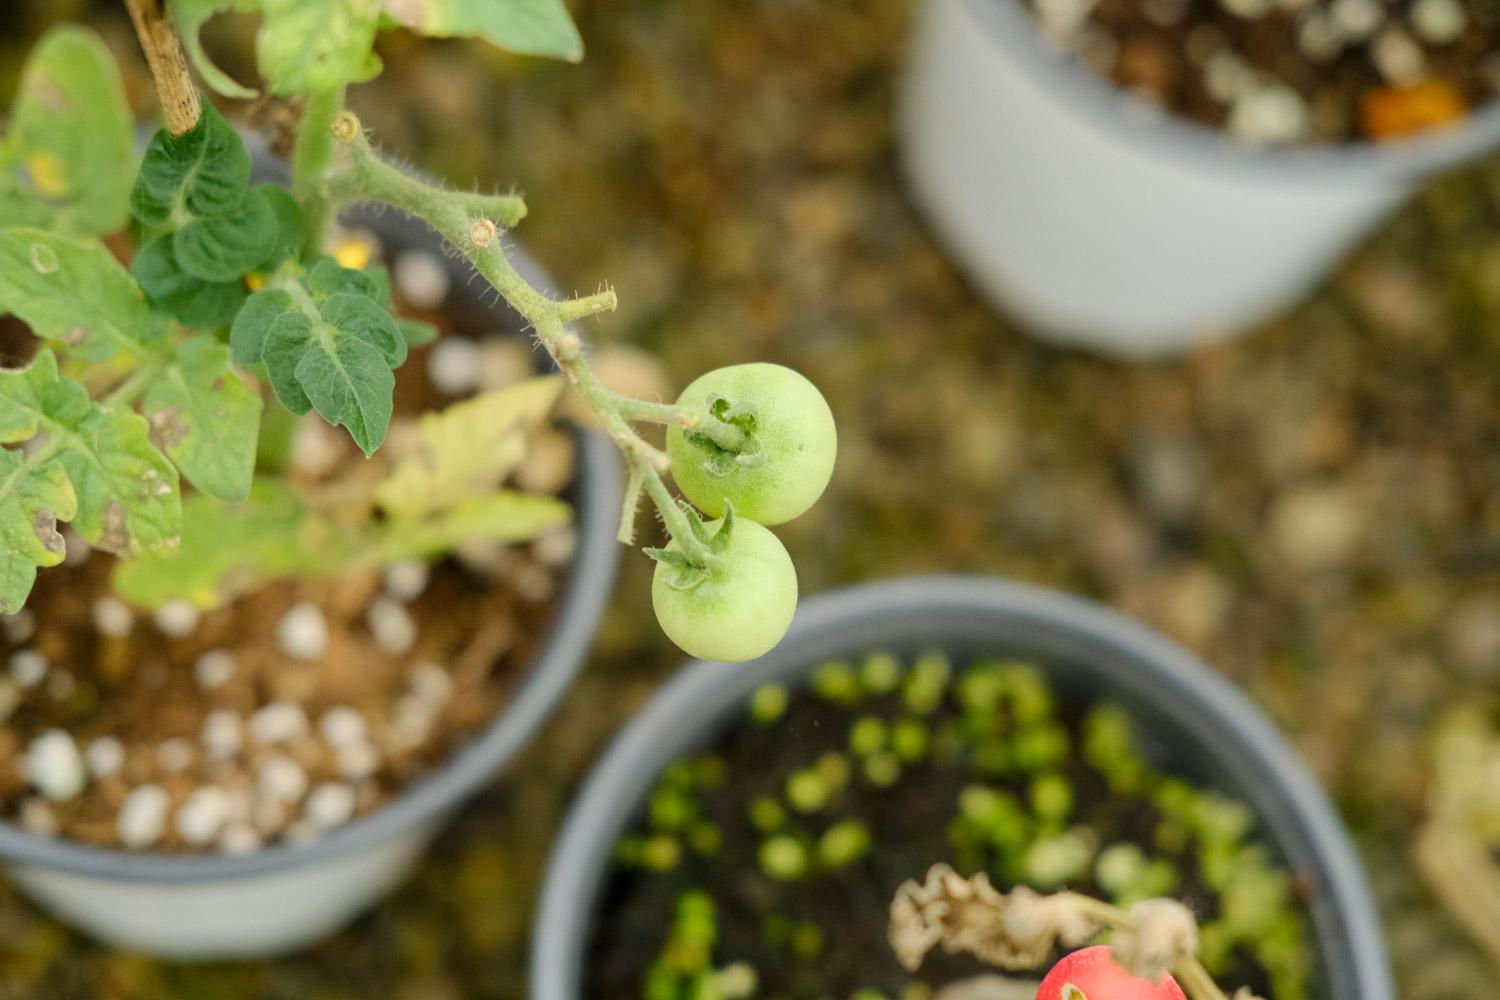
742,609
794,434
1095,973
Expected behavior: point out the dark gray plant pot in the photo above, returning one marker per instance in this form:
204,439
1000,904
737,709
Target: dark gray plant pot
287,896
1186,711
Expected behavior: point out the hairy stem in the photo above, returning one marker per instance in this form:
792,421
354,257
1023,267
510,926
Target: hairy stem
676,521
1188,971
311,157
164,55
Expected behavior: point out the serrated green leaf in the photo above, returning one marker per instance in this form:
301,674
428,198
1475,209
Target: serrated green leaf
207,419
534,27
285,345
75,293
466,449
187,17
205,171
253,324
289,225
328,277
350,383
228,549
34,496
501,516
362,319
227,247
200,304
129,502
308,46
415,332
65,162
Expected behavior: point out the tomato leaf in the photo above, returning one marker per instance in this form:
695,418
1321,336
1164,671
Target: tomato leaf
307,46
76,294
196,303
205,171
33,498
501,516
207,419
226,247
187,17
65,162
533,27
350,383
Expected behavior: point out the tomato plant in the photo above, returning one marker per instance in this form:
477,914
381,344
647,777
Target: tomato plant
786,459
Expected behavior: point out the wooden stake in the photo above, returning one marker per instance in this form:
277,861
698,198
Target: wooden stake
174,87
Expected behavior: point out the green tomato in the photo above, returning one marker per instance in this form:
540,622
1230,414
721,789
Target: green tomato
790,426
744,606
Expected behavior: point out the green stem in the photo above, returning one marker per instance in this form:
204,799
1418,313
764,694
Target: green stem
676,521
311,157
689,418
1189,972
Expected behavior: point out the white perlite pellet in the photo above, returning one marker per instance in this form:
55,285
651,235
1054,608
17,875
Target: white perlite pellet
1226,77
1438,22
411,721
1276,114
175,755
1247,9
278,722
405,580
431,684
39,818
392,625
54,766
343,726
1318,39
18,627
303,632
113,617
143,817
316,448
28,667
453,366
178,619
239,838
213,669
1398,57
1356,19
421,278
330,804
203,815
357,760
222,733
60,685
282,779
556,547
105,755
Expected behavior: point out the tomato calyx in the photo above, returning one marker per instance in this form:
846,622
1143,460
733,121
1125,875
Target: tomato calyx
721,461
691,573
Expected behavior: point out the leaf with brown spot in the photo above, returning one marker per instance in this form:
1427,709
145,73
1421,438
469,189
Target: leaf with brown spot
34,496
207,420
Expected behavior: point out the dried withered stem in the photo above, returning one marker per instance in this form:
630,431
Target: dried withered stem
1019,929
169,70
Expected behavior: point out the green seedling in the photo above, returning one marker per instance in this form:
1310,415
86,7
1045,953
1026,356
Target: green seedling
766,814
880,673
844,843
837,681
807,791
867,735
909,740
882,769
768,703
1051,799
784,858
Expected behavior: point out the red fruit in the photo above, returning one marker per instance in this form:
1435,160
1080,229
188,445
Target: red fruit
1094,973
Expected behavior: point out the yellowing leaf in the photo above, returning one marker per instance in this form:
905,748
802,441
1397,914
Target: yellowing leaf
467,449
502,516
34,496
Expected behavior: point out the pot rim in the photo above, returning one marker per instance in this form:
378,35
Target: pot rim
586,591
1219,721
1166,135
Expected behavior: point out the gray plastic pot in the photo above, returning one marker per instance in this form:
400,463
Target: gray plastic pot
286,896
1187,714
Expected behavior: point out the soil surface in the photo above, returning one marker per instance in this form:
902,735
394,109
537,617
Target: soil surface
1310,507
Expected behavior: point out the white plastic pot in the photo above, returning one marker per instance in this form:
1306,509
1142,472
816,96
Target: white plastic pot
1098,222
290,895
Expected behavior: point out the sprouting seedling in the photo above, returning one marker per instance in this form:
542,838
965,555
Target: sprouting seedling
139,388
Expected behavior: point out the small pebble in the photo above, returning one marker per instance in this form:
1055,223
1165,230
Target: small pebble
1356,19
222,734
357,760
1227,77
330,804
411,722
54,766
1249,10
1277,114
240,838
278,722
267,813
533,582
316,448
392,625
105,755
1398,57
343,726
453,366
175,755
1438,22
61,685
282,779
421,278
113,617
28,667
39,818
1318,39
505,361
203,815
178,619
143,817
303,632
431,683
404,581
19,627
213,669
556,547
